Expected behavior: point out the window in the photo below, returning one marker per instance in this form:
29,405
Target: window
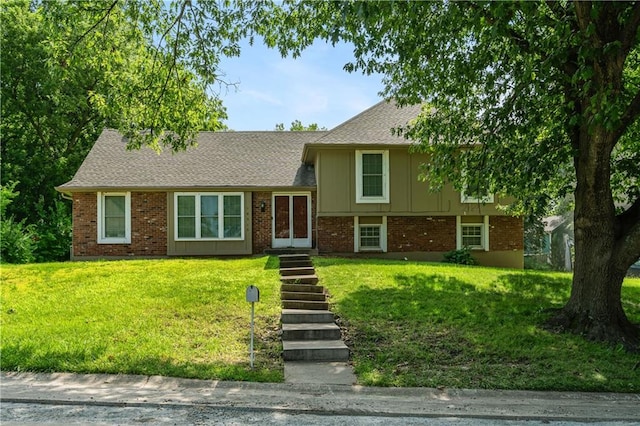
473,232
475,191
209,216
472,236
114,218
372,176
370,234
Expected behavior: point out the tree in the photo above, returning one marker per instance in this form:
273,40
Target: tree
71,68
297,126
540,99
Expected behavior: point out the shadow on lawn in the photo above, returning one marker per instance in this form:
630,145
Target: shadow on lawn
95,361
441,298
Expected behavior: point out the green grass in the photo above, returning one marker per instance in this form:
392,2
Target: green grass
417,324
407,323
186,318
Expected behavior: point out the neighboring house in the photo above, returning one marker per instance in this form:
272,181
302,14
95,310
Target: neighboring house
353,189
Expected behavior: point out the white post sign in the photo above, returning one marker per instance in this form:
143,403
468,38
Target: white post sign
253,295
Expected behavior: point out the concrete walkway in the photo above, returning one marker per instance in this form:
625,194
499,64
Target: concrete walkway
122,390
319,373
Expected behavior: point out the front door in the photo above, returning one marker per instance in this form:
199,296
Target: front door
291,220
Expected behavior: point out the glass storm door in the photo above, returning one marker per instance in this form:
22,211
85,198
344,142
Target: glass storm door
291,220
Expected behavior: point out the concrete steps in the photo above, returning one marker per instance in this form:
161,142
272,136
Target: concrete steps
303,288
302,316
298,271
309,332
305,304
301,295
315,350
299,279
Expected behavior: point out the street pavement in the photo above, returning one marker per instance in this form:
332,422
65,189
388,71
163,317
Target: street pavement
51,392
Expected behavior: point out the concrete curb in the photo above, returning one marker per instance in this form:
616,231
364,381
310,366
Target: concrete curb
124,390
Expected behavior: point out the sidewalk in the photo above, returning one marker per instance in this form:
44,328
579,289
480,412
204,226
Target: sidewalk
122,390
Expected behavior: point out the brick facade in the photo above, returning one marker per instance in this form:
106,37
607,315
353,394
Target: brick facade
261,221
335,234
506,233
421,233
148,226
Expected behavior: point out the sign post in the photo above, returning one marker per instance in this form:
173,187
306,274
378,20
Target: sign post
253,295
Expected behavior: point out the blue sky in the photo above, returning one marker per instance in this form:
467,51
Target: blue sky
313,88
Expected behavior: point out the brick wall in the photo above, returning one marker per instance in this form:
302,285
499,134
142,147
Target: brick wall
148,226
335,234
506,233
420,233
261,221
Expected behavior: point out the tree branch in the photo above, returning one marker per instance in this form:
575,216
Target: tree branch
629,116
94,26
628,235
630,30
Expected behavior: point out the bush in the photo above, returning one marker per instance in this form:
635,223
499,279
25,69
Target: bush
460,257
17,242
53,233
16,238
47,240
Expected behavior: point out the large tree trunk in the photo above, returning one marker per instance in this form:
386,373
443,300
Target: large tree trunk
595,307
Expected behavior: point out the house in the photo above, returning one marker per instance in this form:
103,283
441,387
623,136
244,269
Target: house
353,189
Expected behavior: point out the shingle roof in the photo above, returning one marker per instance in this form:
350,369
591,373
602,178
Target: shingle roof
373,126
221,159
234,159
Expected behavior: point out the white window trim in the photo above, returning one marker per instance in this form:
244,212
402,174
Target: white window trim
466,198
356,236
220,196
127,218
485,233
360,199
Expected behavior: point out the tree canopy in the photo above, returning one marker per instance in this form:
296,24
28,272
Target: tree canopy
537,99
297,126
71,68
534,99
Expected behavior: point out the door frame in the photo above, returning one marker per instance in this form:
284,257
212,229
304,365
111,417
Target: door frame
290,242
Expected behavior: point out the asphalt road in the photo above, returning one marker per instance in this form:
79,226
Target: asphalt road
29,413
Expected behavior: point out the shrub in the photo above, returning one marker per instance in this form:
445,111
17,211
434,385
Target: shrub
460,257
16,239
53,233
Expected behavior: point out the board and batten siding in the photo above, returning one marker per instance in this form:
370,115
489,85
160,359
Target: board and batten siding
335,172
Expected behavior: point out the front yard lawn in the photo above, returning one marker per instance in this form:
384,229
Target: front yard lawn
407,323
185,318
416,324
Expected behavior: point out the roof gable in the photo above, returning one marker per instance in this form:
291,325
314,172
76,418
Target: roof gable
372,127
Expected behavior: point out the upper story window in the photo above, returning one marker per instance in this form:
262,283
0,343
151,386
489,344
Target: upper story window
475,190
372,176
209,216
114,217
